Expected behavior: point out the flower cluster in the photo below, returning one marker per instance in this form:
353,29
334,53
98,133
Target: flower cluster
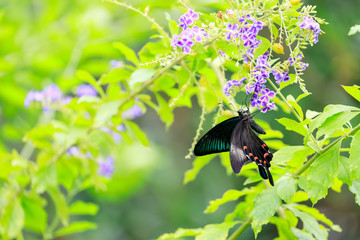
260,94
245,32
296,62
49,96
187,38
313,28
232,83
115,134
106,168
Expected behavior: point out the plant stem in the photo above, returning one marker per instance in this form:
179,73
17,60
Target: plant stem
240,230
308,163
151,20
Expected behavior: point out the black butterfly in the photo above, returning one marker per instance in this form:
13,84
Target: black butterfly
236,135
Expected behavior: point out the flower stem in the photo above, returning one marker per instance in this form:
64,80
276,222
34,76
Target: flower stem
240,230
308,163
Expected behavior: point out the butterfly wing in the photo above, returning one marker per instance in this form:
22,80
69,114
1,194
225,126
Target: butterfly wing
216,139
246,145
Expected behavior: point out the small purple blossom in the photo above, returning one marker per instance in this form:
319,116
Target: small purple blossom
232,32
229,84
187,19
280,76
86,90
73,151
51,94
308,23
33,96
299,65
106,168
133,112
115,64
230,11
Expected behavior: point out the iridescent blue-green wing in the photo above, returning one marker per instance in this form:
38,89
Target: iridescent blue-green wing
216,139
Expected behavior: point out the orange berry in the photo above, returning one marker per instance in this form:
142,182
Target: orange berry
294,2
278,48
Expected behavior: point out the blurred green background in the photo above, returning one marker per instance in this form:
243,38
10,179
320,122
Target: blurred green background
42,42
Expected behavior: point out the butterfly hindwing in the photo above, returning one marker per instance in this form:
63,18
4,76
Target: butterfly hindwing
217,139
238,156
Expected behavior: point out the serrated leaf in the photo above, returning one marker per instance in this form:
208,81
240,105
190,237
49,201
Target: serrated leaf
354,157
265,205
12,219
80,208
141,75
310,224
353,90
283,227
230,195
344,173
329,111
105,112
334,123
198,164
75,227
299,196
355,189
293,125
301,235
35,215
116,75
320,175
60,204
139,134
127,52
181,232
216,231
286,187
165,111
285,154
45,177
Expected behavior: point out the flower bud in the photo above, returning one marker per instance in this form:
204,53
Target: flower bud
294,2
278,48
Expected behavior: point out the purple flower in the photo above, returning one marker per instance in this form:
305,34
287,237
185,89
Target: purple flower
230,11
33,96
133,112
52,93
106,168
280,76
229,84
268,106
309,24
187,19
86,90
232,31
73,151
115,64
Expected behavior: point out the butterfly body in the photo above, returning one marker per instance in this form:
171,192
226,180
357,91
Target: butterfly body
236,135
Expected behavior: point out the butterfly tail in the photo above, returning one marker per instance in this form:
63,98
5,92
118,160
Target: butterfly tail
269,175
262,172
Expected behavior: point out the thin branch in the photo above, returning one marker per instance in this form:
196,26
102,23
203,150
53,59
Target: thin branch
240,230
151,20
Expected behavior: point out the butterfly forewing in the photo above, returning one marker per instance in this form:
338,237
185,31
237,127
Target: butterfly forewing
217,139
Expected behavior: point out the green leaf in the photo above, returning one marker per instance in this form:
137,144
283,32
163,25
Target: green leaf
354,29
287,83
295,105
265,205
285,154
139,134
293,125
60,204
165,112
320,175
127,52
286,187
45,177
263,47
329,111
318,216
75,227
355,189
299,196
354,157
80,207
173,27
310,224
35,215
86,77
230,195
181,232
141,75
301,96
301,235
353,90
344,173
334,123
105,112
88,99
270,3
311,114
198,164
12,219
283,226
215,231
116,75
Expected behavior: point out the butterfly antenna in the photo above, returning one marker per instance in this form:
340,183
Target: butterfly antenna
232,105
254,113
